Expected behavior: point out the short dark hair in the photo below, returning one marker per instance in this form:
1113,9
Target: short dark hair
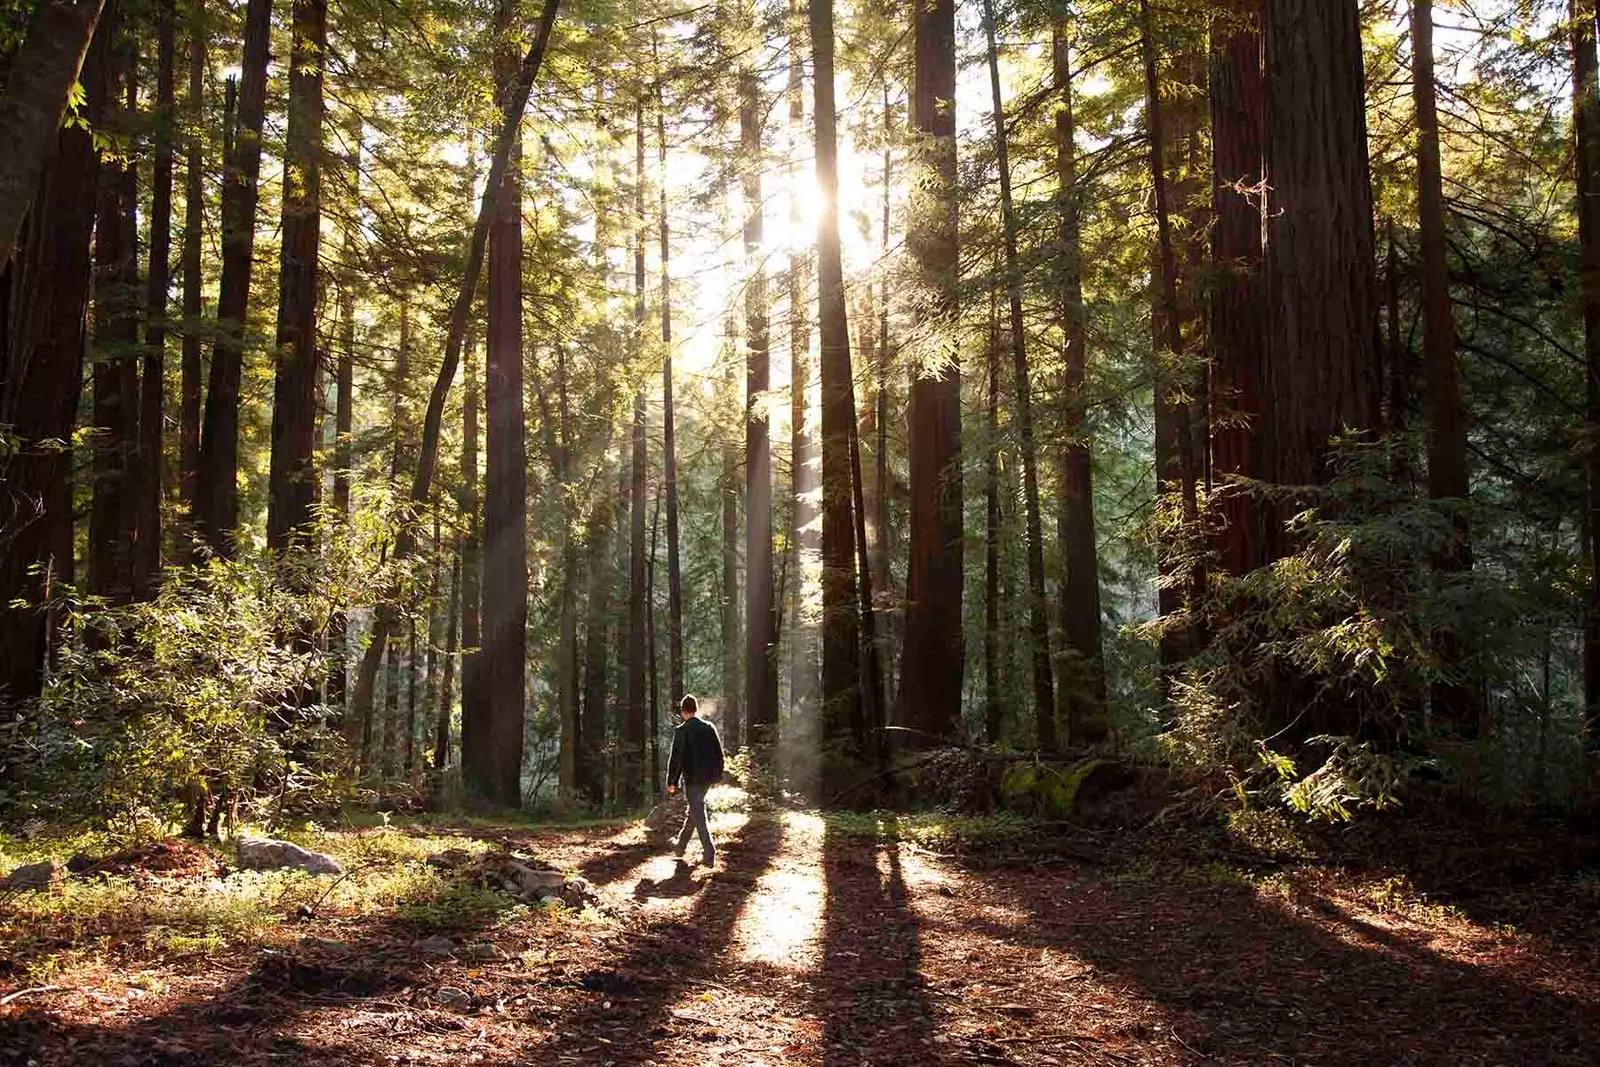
690,704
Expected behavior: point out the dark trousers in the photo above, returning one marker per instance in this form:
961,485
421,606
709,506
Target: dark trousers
696,821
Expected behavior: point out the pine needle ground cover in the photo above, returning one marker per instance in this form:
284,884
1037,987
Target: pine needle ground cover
839,939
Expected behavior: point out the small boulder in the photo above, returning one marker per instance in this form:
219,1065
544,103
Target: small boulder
31,876
451,997
436,946
268,854
449,859
529,883
483,951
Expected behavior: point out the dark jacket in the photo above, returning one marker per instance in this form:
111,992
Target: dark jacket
696,753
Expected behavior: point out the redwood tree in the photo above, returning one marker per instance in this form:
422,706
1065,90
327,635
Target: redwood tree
933,660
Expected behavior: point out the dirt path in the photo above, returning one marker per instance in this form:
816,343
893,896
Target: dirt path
814,948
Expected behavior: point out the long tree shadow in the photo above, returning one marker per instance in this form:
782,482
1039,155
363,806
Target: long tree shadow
870,994
626,1013
1250,982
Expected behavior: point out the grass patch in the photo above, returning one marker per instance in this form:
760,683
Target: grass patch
931,830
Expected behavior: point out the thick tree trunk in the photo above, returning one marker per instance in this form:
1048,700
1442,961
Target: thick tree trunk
292,481
42,72
1044,698
843,729
1238,340
881,577
113,534
422,481
805,539
218,490
1454,701
635,723
152,398
1174,424
934,657
1083,686
761,618
1586,125
194,213
41,354
1320,282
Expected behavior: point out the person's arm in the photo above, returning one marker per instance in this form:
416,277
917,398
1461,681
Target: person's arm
675,764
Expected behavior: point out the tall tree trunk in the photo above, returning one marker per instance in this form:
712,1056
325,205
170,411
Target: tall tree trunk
218,490
992,533
42,353
570,778
635,720
804,536
1238,106
873,715
152,399
1169,313
669,445
441,733
881,577
934,657
1586,127
653,713
596,668
42,72
1320,282
112,531
761,617
1454,701
194,213
292,484
502,684
843,730
1083,685
413,717
435,634
344,413
732,685
1044,698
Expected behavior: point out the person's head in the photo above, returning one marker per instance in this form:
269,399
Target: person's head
689,708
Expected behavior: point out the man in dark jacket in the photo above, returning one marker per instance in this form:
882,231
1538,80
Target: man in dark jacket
697,757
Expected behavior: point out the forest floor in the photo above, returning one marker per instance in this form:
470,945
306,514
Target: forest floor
832,941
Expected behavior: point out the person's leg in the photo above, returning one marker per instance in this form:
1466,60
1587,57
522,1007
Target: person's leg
697,811
689,823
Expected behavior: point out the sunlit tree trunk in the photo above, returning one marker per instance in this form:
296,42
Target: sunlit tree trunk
843,730
1083,686
934,657
732,646
567,651
292,486
441,733
991,539
1044,698
218,490
597,645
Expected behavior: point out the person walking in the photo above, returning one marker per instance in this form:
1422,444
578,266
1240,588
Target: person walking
697,759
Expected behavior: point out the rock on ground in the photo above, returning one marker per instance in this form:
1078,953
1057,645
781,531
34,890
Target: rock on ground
267,854
31,876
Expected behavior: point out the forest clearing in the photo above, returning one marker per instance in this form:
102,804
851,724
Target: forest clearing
1105,494
848,939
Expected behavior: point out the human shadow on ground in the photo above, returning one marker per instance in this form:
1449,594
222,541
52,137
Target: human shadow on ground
1248,980
628,1013
680,883
870,993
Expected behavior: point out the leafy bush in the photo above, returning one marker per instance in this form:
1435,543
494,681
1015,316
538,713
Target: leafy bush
208,689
